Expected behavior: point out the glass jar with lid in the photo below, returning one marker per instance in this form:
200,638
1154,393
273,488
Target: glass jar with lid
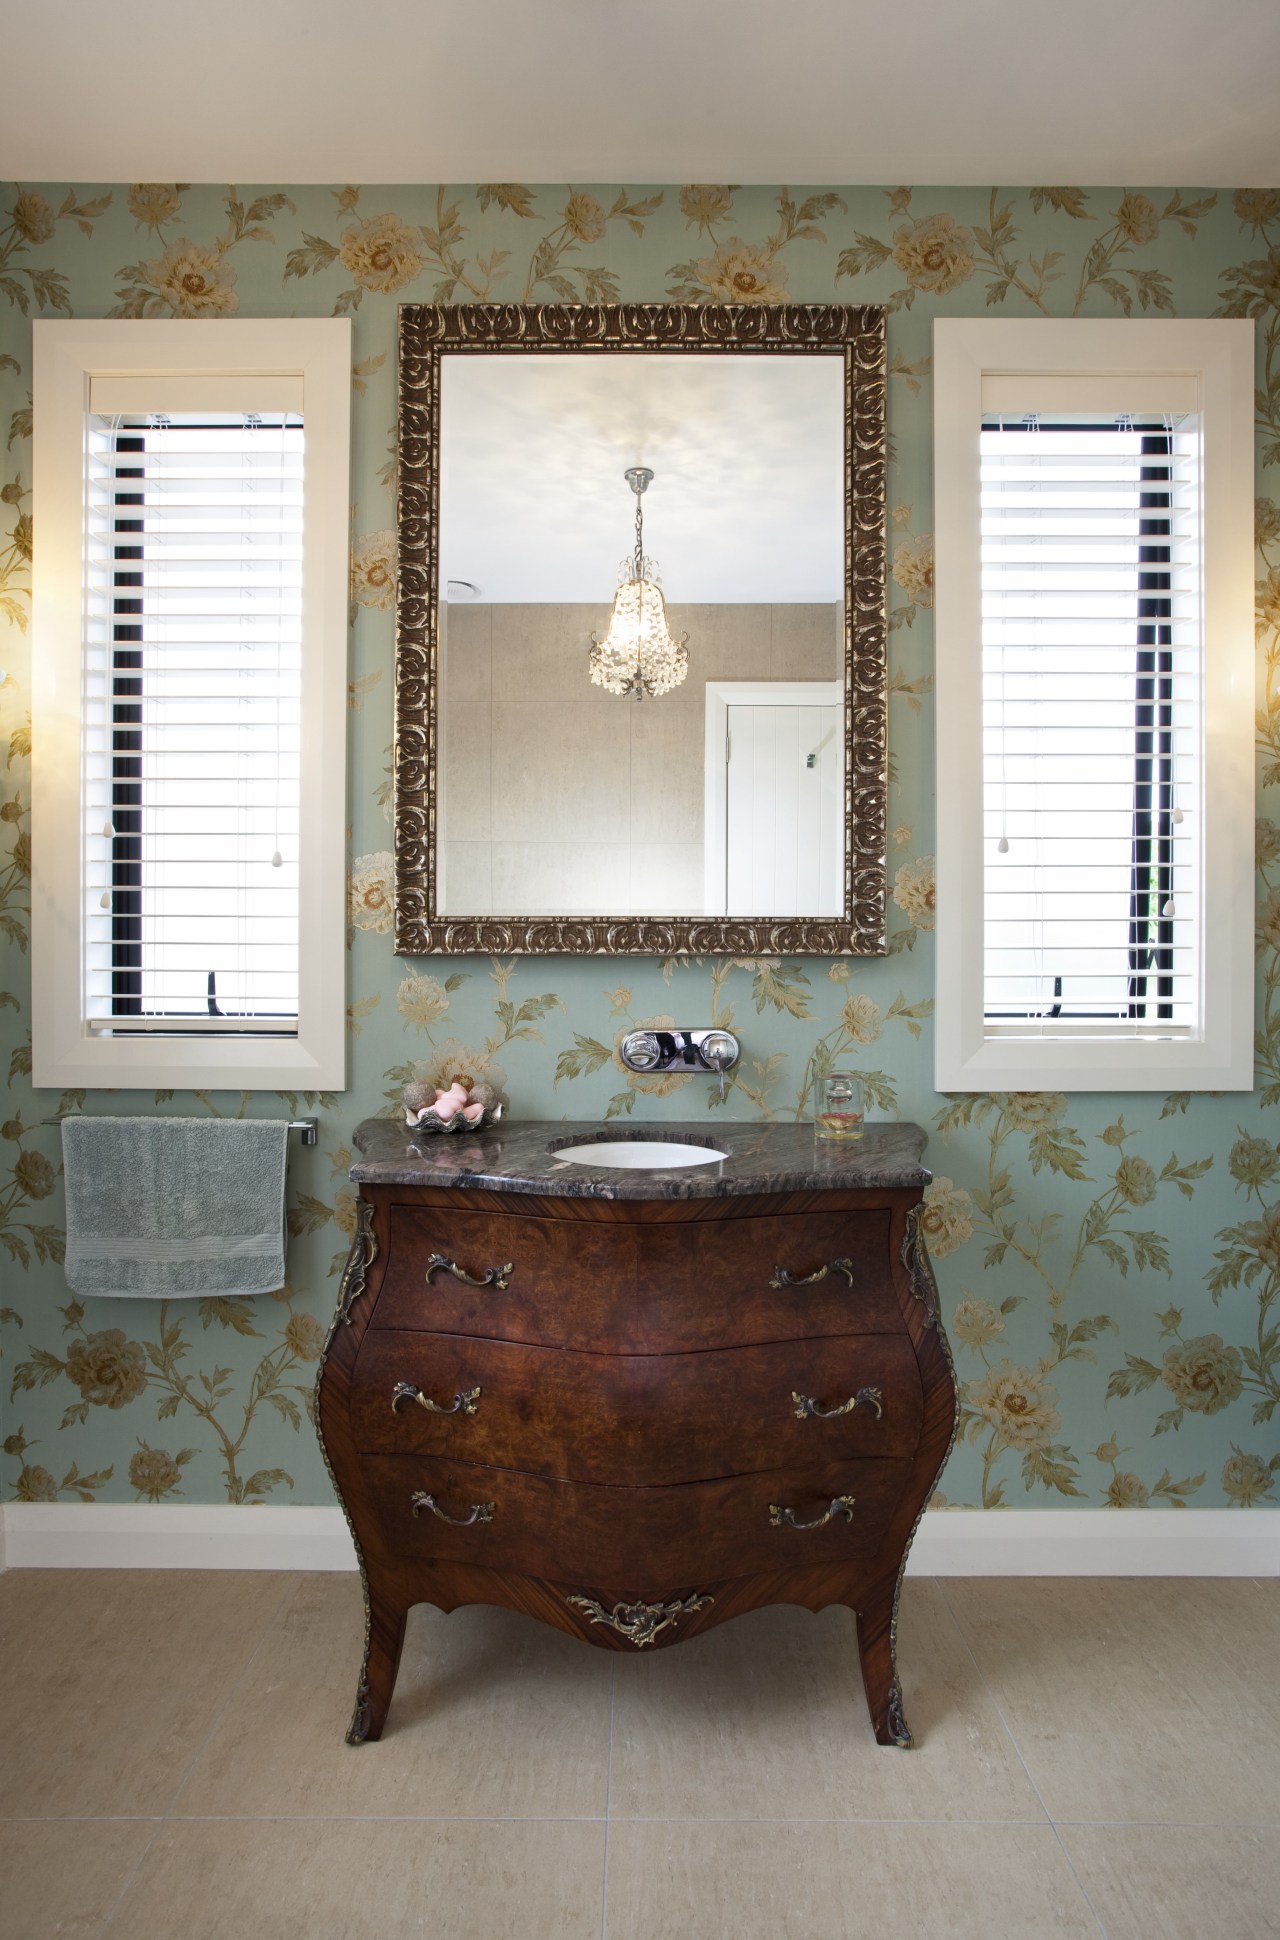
840,1105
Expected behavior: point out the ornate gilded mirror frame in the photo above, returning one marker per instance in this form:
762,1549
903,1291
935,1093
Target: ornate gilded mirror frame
426,333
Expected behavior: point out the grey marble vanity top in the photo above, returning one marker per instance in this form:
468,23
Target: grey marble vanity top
760,1157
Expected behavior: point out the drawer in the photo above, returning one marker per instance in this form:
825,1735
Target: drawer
639,1286
638,1541
635,1419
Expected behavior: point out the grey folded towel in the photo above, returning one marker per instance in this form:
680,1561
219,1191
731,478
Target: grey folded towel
174,1208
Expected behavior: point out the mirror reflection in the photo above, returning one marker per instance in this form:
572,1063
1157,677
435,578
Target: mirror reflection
651,728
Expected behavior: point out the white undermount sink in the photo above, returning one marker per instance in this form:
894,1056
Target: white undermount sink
639,1154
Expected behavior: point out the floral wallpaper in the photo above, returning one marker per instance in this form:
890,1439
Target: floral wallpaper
1109,1265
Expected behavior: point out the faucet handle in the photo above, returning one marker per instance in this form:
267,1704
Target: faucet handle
720,1051
641,1051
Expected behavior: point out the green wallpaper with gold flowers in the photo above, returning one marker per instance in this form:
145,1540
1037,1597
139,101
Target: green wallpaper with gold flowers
1109,1265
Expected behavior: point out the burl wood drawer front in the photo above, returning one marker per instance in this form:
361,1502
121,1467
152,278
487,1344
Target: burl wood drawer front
635,1419
638,1287
647,1539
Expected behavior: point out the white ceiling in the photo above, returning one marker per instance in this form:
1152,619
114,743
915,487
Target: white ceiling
1128,92
746,452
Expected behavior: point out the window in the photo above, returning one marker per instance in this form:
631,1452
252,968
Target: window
190,702
1093,536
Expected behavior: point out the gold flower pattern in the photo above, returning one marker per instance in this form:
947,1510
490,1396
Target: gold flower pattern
189,281
703,204
584,218
934,254
154,1473
1018,1404
945,1221
912,568
152,204
914,891
741,272
1203,1374
382,254
32,218
107,1368
370,899
373,570
422,1001
1110,1268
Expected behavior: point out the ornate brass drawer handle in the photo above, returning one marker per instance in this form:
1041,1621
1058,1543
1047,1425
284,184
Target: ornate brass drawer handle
840,1505
864,1398
639,1623
493,1276
463,1402
478,1512
783,1277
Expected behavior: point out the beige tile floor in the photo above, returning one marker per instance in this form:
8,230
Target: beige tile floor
1094,1758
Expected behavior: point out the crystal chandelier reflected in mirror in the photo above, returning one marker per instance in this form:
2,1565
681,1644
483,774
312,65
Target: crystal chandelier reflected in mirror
639,655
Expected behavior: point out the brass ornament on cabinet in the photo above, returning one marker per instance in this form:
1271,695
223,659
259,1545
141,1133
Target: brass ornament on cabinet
840,1505
493,1276
478,1512
783,1277
363,1253
806,1406
915,1257
361,1716
464,1402
898,1728
639,1623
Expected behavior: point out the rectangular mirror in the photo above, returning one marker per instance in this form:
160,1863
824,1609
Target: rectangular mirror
680,752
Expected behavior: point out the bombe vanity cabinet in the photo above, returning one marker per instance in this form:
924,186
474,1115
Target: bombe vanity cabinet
633,1404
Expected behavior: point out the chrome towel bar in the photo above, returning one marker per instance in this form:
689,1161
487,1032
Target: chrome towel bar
309,1127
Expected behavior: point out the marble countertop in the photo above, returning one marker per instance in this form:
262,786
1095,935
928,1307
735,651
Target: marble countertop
760,1157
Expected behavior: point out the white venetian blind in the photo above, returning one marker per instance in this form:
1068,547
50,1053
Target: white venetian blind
192,693
1092,722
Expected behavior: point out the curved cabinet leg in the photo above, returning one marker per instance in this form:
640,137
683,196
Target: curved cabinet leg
387,1617
876,1642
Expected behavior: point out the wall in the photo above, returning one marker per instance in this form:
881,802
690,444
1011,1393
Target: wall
1108,1264
561,799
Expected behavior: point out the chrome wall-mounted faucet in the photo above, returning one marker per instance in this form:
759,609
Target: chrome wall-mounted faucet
711,1050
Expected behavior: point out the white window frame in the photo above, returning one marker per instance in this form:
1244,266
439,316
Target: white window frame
1130,358
67,354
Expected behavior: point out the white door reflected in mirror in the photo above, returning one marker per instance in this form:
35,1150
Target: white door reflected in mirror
774,798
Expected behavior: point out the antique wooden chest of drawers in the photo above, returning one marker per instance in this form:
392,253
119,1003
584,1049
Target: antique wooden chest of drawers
630,1404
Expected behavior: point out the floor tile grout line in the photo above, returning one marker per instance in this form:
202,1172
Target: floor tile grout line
995,1702
608,1807
519,1818
288,1589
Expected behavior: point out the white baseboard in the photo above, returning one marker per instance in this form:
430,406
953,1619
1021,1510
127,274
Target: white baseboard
950,1542
1097,1542
173,1536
